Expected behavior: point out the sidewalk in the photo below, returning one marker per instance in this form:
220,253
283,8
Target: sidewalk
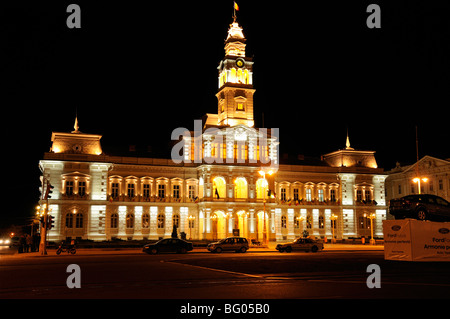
138,251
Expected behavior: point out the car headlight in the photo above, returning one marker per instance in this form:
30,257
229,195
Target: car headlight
7,241
1,241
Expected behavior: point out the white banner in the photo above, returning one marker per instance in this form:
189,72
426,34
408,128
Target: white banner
414,240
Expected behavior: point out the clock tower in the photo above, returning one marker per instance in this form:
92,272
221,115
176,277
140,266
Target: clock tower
236,91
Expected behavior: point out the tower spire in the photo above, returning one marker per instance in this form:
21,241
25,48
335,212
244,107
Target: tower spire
348,147
76,127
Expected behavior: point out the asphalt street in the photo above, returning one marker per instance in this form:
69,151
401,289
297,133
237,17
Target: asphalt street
131,274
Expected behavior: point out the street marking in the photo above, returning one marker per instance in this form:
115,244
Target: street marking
383,283
219,270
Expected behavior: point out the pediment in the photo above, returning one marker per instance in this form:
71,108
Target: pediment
75,174
428,162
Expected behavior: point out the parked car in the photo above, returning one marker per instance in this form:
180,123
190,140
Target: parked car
301,244
168,245
422,207
238,244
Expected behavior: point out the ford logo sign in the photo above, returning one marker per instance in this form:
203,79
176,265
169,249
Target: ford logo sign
396,227
444,231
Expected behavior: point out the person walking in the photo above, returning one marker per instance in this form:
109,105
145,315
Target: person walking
29,243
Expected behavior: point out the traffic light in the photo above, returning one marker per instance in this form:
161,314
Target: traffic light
50,222
48,190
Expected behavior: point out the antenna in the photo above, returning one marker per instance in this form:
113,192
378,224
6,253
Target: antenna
417,143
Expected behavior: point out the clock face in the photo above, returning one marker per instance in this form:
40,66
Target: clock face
240,63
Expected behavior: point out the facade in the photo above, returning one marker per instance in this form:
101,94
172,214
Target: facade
436,172
215,188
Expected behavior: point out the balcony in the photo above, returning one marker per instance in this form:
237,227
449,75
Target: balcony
75,197
314,202
150,199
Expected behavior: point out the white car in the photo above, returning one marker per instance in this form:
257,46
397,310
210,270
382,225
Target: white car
5,241
301,244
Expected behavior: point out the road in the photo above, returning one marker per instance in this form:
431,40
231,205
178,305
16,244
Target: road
200,275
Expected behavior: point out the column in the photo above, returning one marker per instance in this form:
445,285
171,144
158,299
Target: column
184,226
168,221
153,223
138,223
290,224
278,234
122,221
252,222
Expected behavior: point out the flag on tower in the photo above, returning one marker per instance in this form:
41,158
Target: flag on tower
236,7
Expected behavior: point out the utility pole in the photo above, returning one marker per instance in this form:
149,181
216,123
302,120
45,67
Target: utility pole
46,192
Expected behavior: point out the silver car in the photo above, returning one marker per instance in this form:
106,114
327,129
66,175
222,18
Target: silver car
238,244
301,244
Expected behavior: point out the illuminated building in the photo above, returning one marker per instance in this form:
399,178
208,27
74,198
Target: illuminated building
433,171
218,191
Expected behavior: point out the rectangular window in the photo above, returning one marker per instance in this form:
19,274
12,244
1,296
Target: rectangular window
161,191
69,188
368,196
308,195
295,193
81,188
191,191
321,198
399,189
115,190
333,195
240,107
146,191
130,190
176,191
283,194
359,195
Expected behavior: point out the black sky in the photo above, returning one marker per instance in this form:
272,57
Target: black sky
137,71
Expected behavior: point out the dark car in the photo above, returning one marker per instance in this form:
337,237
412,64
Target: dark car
237,244
168,245
421,207
301,244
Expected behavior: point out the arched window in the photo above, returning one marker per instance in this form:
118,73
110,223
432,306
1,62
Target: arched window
283,222
240,187
233,76
161,219
219,187
130,220
79,220
239,76
321,222
69,220
246,77
145,221
176,220
114,220
261,187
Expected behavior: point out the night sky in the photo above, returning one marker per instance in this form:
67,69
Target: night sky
134,72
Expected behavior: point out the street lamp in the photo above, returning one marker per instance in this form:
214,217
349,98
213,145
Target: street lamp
263,174
417,181
333,219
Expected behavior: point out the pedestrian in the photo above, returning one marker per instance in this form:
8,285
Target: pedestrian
22,244
29,243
